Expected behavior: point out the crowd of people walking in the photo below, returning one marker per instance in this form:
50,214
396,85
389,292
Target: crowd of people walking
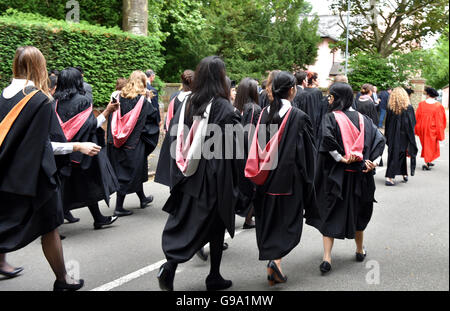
296,157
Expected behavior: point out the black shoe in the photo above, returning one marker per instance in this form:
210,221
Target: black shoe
388,183
147,201
248,226
430,164
425,168
109,220
69,217
202,255
59,286
122,213
225,246
12,274
217,284
325,267
274,274
361,257
62,237
165,278
405,179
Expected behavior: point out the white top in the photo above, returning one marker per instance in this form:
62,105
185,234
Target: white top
183,95
285,105
430,100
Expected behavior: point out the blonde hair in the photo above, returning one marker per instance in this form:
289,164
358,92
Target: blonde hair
398,100
30,64
270,79
136,85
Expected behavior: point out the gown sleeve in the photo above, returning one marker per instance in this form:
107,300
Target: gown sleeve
150,133
417,128
443,122
306,154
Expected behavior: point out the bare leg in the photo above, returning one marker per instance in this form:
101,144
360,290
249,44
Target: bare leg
4,266
359,240
327,247
53,251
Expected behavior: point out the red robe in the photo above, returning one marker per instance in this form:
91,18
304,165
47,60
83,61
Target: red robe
430,127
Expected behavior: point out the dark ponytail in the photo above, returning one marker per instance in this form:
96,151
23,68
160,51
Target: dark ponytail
281,86
343,97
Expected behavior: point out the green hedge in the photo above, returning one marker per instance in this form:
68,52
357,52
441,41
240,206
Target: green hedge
103,12
104,53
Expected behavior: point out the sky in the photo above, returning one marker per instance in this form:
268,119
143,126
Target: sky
321,7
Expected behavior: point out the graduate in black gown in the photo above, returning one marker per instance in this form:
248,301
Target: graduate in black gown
312,102
344,182
187,79
204,188
284,189
133,133
30,137
365,104
88,179
265,98
399,133
247,107
301,78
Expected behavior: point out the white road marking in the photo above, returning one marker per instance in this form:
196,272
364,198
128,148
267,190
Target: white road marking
141,272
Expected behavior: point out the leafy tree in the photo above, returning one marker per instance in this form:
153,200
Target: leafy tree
435,63
385,26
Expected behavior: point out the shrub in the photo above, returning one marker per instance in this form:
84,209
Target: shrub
104,53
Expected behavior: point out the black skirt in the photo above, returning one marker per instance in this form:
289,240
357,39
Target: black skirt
21,222
350,213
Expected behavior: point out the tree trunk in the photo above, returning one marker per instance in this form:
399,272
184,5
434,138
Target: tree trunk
135,16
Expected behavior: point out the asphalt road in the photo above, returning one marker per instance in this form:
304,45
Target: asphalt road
407,243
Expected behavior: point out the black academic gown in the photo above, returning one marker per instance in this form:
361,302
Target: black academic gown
368,108
345,195
30,200
401,141
130,161
288,191
205,201
250,116
263,99
312,102
89,179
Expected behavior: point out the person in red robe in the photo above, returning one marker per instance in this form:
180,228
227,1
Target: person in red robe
431,122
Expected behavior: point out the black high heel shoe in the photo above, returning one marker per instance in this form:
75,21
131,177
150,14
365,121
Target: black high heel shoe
405,179
425,168
165,278
217,283
147,201
110,220
12,274
59,286
430,164
70,218
360,257
274,275
325,267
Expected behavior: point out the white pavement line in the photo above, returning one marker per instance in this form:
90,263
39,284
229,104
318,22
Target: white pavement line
137,274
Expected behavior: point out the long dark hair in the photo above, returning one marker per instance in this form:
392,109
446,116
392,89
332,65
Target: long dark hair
343,96
210,82
247,92
282,83
70,83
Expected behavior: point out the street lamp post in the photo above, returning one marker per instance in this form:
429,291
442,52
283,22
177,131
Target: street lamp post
346,40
